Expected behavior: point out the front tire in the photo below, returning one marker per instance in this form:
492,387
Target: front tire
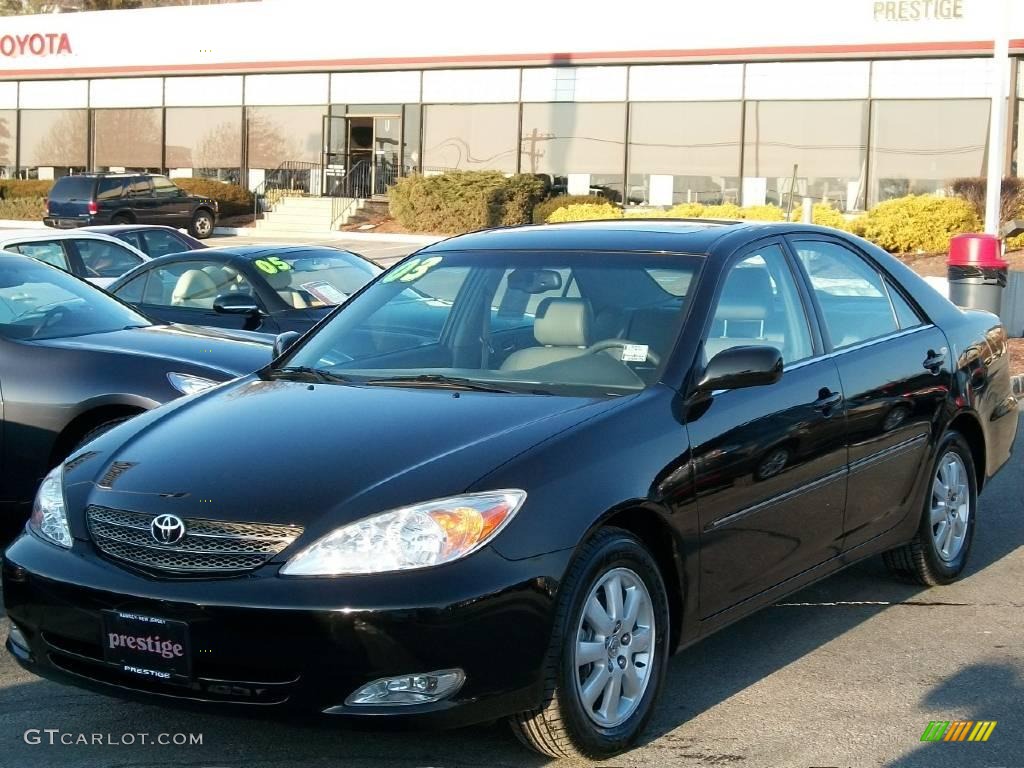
201,226
938,553
608,652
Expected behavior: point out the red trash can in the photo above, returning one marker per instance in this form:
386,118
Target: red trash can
977,272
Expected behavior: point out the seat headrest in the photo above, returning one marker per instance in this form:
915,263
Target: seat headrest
194,285
563,323
747,295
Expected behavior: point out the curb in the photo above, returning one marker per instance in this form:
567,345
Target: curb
334,235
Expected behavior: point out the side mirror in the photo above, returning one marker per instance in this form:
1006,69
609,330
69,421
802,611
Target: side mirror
284,341
236,304
740,367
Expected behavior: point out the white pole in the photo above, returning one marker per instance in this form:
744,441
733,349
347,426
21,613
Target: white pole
997,127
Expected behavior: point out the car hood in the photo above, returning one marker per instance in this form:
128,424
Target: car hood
316,455
234,353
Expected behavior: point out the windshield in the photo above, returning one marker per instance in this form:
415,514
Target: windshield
40,302
551,322
318,277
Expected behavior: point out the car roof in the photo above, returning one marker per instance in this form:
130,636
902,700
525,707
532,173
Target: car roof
105,228
690,236
253,251
9,235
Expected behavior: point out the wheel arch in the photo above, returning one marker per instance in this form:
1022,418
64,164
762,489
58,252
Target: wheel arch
124,213
88,420
660,539
968,425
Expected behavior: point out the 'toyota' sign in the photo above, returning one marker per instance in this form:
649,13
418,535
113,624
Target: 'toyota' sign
35,44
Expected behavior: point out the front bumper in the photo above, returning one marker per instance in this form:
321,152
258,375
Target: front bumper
297,645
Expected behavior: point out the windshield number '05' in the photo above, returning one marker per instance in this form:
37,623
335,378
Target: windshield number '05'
272,265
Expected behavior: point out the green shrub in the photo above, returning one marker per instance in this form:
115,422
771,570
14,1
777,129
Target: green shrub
13,189
23,208
232,199
917,223
463,201
586,212
542,210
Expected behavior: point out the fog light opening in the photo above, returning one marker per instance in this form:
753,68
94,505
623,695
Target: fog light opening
419,688
17,638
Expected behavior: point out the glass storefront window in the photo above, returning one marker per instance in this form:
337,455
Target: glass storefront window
684,152
52,142
126,140
469,137
825,140
204,142
282,141
580,147
8,142
919,146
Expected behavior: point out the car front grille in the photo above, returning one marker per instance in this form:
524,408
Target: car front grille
208,546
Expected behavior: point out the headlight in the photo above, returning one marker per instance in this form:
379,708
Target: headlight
48,518
419,536
188,384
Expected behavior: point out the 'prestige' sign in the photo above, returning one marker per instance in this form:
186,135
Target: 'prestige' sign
918,10
37,44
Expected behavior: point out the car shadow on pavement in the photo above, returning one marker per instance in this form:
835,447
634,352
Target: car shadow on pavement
984,691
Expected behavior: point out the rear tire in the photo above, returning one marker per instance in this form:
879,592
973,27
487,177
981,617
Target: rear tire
121,218
938,552
201,226
601,685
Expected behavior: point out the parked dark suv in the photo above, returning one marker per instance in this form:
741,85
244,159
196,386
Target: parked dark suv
126,198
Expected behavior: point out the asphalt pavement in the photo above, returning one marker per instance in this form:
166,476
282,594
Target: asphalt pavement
846,673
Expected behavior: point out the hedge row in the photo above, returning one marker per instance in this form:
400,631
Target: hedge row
463,201
232,199
913,224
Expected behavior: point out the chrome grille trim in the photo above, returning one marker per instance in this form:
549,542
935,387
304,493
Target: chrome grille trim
212,546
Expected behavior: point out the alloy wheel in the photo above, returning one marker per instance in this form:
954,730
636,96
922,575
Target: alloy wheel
614,644
950,506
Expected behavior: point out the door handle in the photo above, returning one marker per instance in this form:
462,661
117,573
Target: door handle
827,400
935,360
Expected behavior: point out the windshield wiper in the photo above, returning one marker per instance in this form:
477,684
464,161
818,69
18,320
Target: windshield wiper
437,380
320,374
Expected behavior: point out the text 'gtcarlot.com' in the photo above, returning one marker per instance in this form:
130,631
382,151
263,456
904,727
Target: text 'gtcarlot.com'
55,736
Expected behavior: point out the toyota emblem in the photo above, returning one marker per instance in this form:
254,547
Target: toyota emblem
167,529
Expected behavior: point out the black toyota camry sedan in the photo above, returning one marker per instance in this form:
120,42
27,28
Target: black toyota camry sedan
265,288
74,362
623,436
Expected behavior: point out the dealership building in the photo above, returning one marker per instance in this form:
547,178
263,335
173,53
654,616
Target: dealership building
845,101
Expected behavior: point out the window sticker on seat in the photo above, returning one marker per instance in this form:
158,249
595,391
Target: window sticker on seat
634,353
324,291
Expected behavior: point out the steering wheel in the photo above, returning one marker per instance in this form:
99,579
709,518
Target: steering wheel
50,319
601,346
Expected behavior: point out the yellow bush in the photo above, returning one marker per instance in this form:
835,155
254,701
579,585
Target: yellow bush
585,212
722,211
763,213
918,223
686,211
824,215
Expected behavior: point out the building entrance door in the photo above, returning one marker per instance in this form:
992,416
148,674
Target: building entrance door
362,154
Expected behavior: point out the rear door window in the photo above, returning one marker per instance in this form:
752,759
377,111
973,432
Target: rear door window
103,259
140,187
47,251
110,189
160,242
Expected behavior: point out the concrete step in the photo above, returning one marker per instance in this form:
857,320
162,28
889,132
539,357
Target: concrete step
299,215
290,229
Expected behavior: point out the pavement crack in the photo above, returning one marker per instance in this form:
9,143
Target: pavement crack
907,603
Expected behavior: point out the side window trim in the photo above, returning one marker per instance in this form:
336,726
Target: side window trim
888,284
807,312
